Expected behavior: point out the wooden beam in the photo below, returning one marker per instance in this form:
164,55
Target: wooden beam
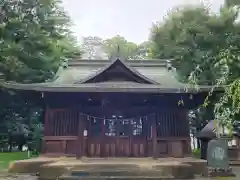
60,138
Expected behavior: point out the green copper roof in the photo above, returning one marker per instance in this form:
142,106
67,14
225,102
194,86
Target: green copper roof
155,70
158,74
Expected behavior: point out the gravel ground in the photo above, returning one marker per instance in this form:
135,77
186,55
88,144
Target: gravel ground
236,170
6,176
17,177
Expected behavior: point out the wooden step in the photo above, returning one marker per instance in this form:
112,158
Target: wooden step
116,178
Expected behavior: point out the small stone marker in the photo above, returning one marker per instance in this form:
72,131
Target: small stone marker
217,159
217,154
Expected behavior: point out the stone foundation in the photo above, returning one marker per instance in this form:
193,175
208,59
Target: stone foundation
30,166
214,173
113,168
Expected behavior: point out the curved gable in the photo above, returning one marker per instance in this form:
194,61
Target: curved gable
117,71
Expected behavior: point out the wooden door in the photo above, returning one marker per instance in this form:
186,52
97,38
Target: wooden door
137,136
117,137
94,137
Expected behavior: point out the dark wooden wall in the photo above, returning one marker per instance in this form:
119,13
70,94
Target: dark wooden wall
130,137
146,125
172,123
62,122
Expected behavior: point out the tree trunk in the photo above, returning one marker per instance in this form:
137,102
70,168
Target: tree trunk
198,144
10,142
10,147
20,147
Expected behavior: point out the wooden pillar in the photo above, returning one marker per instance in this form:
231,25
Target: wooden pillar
46,128
80,139
154,136
186,134
102,145
117,152
46,121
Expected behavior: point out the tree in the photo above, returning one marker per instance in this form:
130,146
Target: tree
194,36
98,48
206,48
228,61
93,48
126,49
35,38
231,3
144,50
19,113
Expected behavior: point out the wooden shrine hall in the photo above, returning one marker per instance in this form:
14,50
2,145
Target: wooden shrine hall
116,108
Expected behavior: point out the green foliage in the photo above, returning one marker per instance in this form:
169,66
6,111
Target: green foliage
34,39
118,43
196,153
194,37
34,139
206,49
230,3
98,48
6,158
20,117
93,48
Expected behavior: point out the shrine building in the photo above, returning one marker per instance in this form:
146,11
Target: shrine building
116,108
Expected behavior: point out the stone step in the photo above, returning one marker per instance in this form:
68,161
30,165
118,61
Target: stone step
116,178
118,173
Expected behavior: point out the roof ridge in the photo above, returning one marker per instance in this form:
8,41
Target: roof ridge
91,76
149,62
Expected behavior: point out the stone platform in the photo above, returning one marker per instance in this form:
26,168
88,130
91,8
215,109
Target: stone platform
110,168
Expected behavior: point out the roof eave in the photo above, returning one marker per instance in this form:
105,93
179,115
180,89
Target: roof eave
110,88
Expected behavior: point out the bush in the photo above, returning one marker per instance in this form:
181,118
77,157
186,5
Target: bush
196,153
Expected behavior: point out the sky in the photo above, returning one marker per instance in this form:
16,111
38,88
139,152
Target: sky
131,19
